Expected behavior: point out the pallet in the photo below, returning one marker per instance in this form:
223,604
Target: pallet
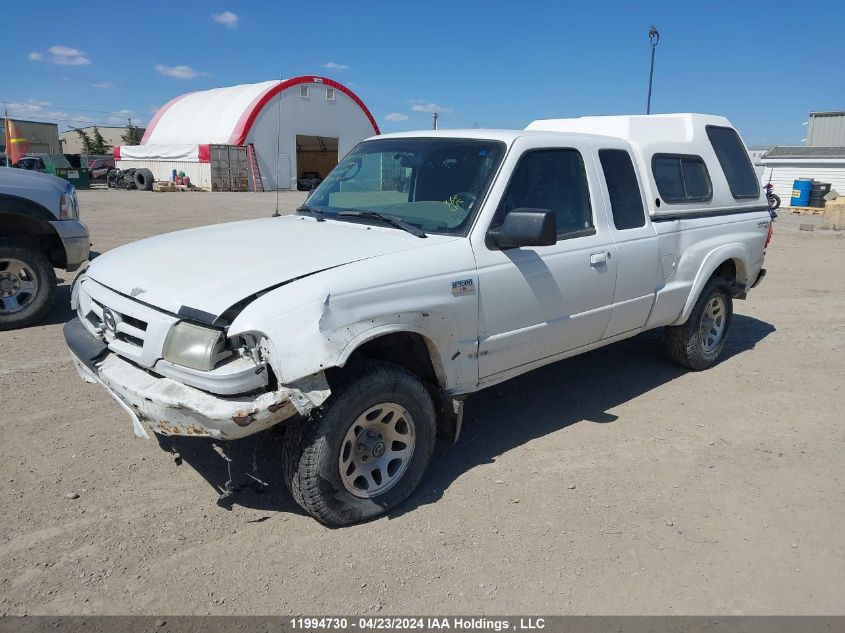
807,210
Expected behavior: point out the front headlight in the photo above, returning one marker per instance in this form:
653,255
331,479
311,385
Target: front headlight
195,346
68,205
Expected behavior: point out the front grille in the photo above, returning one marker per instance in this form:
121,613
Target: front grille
124,328
130,328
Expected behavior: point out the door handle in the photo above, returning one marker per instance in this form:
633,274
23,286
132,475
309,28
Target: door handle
596,259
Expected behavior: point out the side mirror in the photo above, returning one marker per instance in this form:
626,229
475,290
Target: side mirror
526,227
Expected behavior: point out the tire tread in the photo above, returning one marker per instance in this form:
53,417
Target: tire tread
47,279
305,442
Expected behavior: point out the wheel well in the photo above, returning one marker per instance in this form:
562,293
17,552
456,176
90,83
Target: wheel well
727,270
406,349
35,234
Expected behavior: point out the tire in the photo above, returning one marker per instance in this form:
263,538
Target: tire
150,178
143,179
364,417
691,345
22,269
774,201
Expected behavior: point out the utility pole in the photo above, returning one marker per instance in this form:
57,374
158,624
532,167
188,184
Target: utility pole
6,149
653,39
434,117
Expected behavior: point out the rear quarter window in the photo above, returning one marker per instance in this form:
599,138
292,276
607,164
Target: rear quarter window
626,204
734,160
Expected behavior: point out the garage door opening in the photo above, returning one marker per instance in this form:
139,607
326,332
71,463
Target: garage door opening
316,156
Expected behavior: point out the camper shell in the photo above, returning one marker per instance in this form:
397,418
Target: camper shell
656,136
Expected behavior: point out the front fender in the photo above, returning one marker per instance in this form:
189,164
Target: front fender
305,329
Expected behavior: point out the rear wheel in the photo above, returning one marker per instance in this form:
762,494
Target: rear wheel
27,286
366,450
698,343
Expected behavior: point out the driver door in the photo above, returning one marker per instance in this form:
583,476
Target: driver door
537,302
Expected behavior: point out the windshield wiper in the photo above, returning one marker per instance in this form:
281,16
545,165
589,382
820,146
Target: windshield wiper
387,219
317,213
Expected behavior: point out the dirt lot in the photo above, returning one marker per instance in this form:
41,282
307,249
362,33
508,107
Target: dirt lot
611,483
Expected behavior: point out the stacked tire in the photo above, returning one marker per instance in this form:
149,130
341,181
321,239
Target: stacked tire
817,194
143,179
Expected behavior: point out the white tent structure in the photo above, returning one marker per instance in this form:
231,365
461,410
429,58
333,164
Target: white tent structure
298,125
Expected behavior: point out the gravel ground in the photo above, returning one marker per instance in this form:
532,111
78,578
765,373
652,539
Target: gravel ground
610,483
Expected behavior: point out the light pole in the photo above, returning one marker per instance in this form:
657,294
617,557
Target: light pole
653,39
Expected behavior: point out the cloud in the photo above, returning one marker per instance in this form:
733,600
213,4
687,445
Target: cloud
27,108
103,84
62,55
179,72
64,51
116,120
67,56
336,66
396,117
227,19
425,106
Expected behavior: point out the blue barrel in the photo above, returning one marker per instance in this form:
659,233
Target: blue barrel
801,192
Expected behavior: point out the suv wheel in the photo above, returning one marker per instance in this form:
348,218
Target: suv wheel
698,343
27,286
366,450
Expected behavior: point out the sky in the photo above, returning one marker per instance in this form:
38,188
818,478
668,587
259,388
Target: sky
478,63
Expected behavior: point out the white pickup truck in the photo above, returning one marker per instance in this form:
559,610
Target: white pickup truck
427,266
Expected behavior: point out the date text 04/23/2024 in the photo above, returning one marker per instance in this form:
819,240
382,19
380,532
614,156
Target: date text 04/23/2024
415,624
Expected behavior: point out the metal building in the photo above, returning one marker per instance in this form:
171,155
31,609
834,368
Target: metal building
42,138
821,158
826,129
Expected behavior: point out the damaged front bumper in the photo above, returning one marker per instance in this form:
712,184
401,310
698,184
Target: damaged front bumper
168,407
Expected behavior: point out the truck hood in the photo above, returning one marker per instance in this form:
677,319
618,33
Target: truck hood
201,272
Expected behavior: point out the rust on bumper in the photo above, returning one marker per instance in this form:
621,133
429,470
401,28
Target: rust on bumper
168,407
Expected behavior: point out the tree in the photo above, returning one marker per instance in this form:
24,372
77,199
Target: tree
87,145
132,136
98,143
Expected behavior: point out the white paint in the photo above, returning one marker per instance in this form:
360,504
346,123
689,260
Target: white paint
784,174
206,116
322,289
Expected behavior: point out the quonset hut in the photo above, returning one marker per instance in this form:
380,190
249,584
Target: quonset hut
254,136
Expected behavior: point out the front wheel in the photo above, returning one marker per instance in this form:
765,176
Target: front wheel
366,450
27,286
774,201
698,343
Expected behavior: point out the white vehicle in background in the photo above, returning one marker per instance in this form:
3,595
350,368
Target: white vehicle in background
425,267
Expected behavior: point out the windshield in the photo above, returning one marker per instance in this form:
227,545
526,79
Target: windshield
435,184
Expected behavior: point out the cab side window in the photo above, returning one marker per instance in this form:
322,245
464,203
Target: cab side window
626,202
552,179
